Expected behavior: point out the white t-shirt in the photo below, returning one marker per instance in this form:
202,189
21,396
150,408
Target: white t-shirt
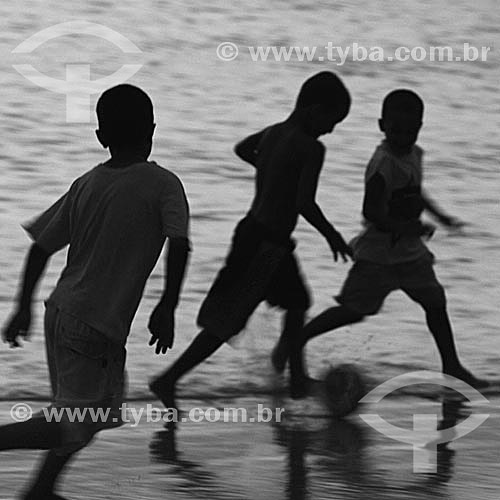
398,172
115,221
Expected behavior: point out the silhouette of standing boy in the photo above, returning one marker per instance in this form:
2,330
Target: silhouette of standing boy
261,264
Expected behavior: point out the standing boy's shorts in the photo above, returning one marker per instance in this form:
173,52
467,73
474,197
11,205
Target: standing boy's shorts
256,269
368,284
86,374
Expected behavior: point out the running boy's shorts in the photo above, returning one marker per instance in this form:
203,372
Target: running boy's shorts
256,269
368,284
86,374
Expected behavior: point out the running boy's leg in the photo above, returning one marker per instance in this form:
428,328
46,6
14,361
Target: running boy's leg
289,291
45,483
33,434
202,347
420,283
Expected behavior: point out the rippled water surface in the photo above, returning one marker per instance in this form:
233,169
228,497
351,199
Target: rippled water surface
203,106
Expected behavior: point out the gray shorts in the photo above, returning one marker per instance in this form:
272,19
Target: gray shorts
87,372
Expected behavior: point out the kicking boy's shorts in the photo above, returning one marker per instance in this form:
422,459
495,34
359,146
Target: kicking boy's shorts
368,284
86,373
256,269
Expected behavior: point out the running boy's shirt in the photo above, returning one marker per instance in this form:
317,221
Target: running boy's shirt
399,173
115,221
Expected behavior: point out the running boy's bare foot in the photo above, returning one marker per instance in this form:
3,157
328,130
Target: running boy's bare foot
467,377
164,390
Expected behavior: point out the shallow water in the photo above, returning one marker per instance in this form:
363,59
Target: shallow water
203,106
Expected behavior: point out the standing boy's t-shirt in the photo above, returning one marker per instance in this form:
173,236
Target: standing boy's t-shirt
400,174
115,221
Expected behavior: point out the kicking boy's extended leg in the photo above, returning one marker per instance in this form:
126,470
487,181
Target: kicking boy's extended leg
330,319
203,346
34,434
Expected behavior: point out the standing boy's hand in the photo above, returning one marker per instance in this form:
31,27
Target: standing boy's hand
17,326
161,326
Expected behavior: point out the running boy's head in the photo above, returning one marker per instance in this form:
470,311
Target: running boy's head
323,102
402,112
125,119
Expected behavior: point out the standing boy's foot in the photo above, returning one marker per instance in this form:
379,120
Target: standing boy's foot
466,376
164,390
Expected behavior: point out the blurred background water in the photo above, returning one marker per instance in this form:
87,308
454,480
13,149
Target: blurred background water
203,107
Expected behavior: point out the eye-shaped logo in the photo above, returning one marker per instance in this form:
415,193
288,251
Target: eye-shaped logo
425,435
77,86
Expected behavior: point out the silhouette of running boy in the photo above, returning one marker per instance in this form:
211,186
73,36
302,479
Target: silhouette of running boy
115,219
261,265
389,253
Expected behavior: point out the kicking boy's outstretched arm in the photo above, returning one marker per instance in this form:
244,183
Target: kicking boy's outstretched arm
247,148
443,218
162,322
310,210
375,210
19,323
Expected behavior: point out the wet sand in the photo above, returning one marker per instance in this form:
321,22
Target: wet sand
306,456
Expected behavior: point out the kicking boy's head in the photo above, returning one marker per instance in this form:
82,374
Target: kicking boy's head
402,112
125,118
323,102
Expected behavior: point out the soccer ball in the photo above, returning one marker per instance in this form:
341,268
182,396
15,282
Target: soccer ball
343,387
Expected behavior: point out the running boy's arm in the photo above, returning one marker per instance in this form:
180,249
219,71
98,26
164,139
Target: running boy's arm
309,209
443,218
175,223
162,321
247,148
375,210
19,323
50,232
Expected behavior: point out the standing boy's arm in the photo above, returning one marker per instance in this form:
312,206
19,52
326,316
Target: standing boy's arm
375,211
19,323
247,148
309,209
444,219
162,322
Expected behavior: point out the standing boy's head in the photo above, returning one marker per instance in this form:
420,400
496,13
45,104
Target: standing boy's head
402,112
323,102
125,119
